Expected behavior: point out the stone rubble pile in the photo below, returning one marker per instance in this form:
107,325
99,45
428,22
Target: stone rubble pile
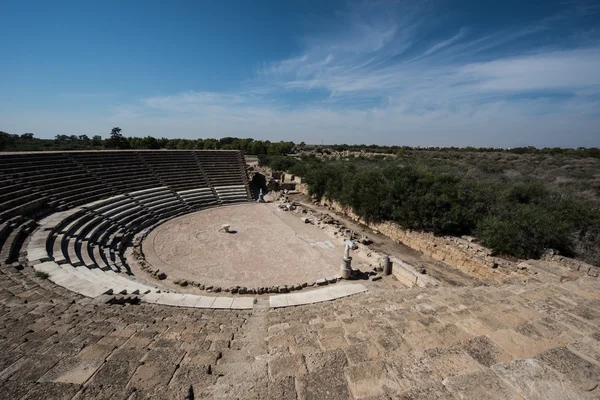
138,255
337,229
463,253
259,290
575,265
323,221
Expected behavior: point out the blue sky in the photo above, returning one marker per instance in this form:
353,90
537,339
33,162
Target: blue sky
485,73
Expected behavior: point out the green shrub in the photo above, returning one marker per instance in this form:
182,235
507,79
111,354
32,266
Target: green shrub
514,215
277,163
42,274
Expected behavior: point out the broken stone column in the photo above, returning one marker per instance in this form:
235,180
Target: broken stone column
346,266
387,265
225,228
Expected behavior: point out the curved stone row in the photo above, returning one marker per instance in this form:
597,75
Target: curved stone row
539,340
37,184
237,289
84,208
40,183
82,248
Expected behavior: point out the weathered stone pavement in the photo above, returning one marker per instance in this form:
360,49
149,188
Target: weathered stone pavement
536,341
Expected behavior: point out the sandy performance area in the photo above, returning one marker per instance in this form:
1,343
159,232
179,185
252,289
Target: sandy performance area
270,247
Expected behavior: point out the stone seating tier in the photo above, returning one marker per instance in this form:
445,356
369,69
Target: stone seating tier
123,212
68,179
91,282
106,234
86,227
47,174
139,190
155,199
13,203
94,235
15,233
180,169
198,195
117,201
11,192
98,257
141,222
133,219
86,259
5,230
231,194
26,208
83,193
76,223
89,240
200,198
11,187
57,249
224,175
65,186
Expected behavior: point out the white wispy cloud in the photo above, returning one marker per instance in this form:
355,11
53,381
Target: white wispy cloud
445,43
384,74
568,71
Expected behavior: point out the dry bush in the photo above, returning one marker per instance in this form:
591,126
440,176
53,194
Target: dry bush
587,246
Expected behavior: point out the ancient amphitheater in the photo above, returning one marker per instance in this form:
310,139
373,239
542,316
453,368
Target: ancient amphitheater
118,281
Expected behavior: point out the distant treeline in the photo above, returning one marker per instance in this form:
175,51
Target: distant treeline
401,150
518,217
27,142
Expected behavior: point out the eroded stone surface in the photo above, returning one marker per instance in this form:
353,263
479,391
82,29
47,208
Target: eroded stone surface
498,342
191,248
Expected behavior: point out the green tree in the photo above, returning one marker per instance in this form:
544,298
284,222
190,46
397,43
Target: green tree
150,142
6,139
116,140
211,144
97,140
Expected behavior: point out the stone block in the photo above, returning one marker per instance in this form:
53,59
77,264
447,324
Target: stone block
190,300
242,303
298,299
518,345
152,297
370,379
583,374
536,380
72,370
481,385
292,365
278,301
222,302
319,295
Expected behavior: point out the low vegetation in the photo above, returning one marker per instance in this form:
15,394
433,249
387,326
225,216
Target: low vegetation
517,201
42,275
516,204
116,140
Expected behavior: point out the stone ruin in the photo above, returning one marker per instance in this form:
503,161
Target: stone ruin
496,339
